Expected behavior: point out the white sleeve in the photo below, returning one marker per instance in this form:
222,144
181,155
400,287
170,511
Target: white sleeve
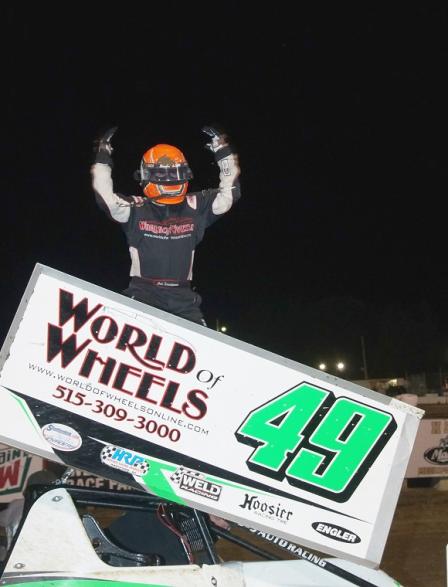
117,207
228,190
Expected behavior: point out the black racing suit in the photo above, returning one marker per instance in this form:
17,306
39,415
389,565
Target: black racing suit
162,238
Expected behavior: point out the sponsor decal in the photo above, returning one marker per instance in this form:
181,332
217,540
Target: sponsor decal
124,460
195,482
336,532
166,228
291,547
14,465
86,334
265,509
438,455
62,437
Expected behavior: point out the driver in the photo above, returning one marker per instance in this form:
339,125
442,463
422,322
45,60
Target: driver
164,224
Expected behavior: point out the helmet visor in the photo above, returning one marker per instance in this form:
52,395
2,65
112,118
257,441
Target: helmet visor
166,174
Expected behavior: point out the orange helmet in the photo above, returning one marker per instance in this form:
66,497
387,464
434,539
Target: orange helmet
164,174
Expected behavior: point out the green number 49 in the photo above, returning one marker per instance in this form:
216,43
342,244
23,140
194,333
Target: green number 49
320,443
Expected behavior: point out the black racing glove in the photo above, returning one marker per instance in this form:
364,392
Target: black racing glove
102,147
219,142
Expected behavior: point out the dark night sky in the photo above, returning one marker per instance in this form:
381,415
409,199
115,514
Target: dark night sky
339,117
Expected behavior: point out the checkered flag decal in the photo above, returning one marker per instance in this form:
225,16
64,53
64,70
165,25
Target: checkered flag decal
108,451
181,471
144,467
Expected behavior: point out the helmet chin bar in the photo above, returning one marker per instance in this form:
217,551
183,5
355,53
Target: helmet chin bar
160,193
167,192
167,197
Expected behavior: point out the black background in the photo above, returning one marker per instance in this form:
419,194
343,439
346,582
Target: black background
339,118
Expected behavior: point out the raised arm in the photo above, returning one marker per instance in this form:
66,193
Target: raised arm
229,187
117,207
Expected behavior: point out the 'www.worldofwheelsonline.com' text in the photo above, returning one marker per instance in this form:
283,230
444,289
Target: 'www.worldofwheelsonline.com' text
108,395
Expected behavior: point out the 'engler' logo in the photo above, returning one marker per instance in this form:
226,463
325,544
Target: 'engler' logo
124,460
336,532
